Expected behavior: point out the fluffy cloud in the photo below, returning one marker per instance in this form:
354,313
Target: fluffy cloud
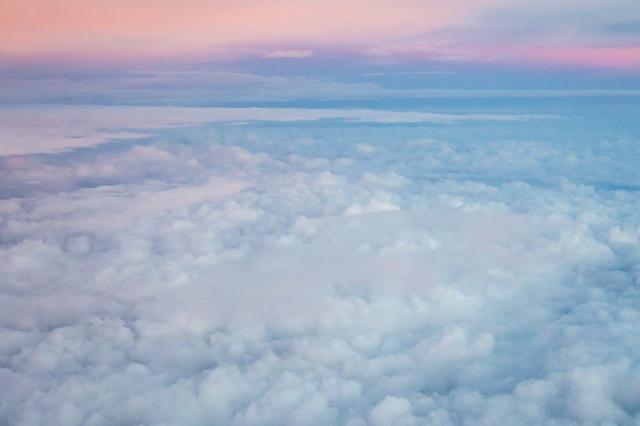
246,276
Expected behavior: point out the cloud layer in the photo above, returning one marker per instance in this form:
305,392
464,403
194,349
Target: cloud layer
50,129
301,274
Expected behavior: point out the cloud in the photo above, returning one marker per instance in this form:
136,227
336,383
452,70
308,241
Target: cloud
625,27
590,34
191,87
52,129
289,54
319,275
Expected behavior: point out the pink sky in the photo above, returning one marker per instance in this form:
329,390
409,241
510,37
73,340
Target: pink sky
139,30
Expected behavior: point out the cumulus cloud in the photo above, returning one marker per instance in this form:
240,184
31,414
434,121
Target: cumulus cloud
308,275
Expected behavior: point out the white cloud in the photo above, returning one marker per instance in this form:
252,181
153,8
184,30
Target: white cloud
32,130
390,411
259,280
289,54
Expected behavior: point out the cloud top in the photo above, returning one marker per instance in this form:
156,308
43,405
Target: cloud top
322,274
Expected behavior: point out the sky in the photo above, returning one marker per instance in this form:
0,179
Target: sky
592,33
319,213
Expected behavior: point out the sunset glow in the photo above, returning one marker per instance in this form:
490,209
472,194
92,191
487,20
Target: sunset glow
218,30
